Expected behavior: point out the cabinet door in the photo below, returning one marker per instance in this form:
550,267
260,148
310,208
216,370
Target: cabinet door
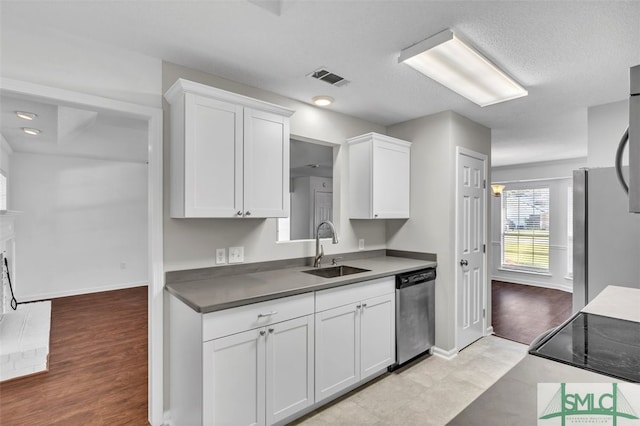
290,367
391,177
266,164
213,176
337,350
377,325
234,380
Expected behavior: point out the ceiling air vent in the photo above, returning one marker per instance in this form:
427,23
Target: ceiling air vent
329,77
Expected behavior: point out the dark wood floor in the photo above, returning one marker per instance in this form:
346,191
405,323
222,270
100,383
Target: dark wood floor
97,365
522,312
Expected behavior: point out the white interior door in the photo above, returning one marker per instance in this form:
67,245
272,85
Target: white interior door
470,247
322,210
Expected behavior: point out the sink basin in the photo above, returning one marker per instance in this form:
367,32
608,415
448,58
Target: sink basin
335,271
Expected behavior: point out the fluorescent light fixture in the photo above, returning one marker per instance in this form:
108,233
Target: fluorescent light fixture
26,115
322,100
31,131
458,66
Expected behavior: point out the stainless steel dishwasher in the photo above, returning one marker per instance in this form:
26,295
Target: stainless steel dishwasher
415,314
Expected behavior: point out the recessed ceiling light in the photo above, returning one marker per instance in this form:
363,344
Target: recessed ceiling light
26,115
322,100
31,131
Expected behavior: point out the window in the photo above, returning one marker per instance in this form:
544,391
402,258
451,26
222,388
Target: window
525,229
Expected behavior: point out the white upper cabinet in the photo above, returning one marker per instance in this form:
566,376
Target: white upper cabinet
229,154
379,177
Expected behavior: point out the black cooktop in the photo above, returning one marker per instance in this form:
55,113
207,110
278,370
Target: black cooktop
601,344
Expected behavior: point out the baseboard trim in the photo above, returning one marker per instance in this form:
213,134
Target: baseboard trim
565,288
442,353
78,292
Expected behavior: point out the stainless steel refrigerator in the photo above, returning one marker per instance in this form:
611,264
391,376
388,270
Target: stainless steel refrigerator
606,237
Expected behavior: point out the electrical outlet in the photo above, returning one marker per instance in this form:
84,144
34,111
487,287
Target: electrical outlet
221,256
236,254
123,265
361,244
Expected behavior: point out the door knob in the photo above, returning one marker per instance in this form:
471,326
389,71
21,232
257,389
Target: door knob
247,213
464,262
239,213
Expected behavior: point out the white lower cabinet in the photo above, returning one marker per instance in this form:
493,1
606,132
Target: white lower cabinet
259,376
337,350
234,380
289,368
377,334
268,362
356,340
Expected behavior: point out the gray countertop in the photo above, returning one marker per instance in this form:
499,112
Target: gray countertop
223,292
512,400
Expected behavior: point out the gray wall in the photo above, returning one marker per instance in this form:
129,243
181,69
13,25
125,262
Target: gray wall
431,227
191,243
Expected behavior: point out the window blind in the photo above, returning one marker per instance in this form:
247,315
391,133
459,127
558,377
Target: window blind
525,229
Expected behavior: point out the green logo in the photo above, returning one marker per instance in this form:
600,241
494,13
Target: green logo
586,403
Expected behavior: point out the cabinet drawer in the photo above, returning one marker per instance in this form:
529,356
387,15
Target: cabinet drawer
234,320
334,297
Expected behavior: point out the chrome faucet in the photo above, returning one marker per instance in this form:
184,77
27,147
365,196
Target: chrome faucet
319,249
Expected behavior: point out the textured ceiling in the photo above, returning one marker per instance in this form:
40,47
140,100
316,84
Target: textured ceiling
569,55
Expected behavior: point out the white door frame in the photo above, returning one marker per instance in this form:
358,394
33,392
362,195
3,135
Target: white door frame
484,158
153,116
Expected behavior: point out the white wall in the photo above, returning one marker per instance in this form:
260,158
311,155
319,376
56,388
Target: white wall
5,163
191,243
558,176
431,227
81,218
606,125
57,59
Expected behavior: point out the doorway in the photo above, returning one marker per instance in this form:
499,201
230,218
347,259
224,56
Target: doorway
470,246
153,118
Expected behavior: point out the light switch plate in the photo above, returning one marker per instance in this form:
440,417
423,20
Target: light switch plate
236,254
221,256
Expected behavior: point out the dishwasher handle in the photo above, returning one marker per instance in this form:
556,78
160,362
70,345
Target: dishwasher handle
414,278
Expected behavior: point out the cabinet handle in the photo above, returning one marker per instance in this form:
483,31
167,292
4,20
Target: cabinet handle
375,215
262,332
247,213
268,314
271,330
358,306
239,213
364,305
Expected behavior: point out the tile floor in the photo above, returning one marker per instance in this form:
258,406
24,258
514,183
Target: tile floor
430,391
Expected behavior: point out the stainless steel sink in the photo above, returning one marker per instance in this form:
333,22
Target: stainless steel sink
335,271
